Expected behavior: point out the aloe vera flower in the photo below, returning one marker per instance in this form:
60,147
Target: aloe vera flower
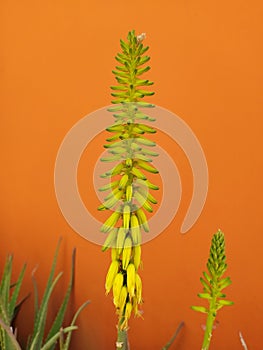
129,196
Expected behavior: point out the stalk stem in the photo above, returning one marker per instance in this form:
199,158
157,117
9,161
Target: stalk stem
209,324
122,339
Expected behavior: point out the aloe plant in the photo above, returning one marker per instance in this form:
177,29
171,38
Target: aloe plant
36,341
129,195
213,284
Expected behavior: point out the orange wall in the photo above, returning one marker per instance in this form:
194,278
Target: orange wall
56,64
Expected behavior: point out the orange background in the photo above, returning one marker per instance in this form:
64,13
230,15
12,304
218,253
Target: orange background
56,62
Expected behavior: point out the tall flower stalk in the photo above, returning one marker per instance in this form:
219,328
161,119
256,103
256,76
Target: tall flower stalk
213,284
129,195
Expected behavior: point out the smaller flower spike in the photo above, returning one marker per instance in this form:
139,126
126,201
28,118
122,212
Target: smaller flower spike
213,283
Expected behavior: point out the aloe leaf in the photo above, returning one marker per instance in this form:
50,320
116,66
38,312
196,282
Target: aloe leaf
11,336
17,308
170,342
39,331
35,340
5,273
52,341
13,301
4,339
5,286
36,298
82,307
4,312
61,313
38,323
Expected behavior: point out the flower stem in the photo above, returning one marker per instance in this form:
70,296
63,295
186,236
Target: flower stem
209,324
122,338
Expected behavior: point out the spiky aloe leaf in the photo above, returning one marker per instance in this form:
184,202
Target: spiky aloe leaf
52,341
37,338
8,300
17,287
61,313
4,312
170,342
17,309
4,338
13,344
36,297
68,338
40,316
5,289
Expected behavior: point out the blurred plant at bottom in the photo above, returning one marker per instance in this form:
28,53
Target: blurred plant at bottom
9,308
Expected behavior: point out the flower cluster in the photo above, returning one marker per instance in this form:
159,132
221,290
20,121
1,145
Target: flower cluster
129,196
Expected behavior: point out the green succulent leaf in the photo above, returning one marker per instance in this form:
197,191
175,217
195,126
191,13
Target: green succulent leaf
10,342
